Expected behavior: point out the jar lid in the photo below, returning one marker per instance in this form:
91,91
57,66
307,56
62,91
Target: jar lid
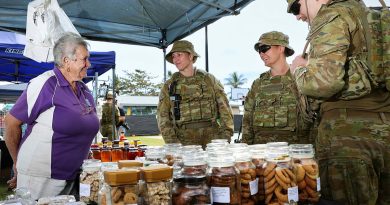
157,173
121,177
190,180
129,163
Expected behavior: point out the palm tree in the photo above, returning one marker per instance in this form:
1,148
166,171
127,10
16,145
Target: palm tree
234,80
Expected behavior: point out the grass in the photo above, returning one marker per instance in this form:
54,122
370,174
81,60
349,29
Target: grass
148,140
4,191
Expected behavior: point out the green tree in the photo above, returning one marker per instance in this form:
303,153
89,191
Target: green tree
138,83
234,80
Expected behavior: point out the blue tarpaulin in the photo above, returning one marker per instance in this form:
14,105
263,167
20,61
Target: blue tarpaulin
14,67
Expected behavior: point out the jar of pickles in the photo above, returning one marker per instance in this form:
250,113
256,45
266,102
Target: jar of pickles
224,179
306,171
279,179
123,186
157,187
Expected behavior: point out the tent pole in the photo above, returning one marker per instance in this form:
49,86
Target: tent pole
165,64
113,104
206,49
96,95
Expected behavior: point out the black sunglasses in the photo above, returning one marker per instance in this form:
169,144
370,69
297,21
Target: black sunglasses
295,8
264,48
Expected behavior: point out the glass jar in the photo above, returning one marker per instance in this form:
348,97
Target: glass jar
89,181
190,190
258,159
224,180
306,171
106,154
117,154
96,153
249,182
132,153
123,186
157,187
279,179
194,164
155,155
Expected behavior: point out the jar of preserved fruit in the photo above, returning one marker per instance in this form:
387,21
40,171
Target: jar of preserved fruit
224,179
123,186
116,154
279,179
190,190
306,171
157,184
96,153
89,181
249,182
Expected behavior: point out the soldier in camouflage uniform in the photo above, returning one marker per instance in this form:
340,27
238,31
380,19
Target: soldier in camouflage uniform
271,108
106,123
193,107
353,143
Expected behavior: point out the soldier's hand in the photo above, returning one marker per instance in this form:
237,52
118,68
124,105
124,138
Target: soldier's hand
297,62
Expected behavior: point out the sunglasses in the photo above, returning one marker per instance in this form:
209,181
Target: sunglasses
295,8
264,48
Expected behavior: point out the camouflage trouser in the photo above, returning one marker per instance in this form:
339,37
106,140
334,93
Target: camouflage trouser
262,136
108,131
200,136
353,149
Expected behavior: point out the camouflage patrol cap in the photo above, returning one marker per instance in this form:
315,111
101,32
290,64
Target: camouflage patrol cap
274,38
109,95
289,2
182,46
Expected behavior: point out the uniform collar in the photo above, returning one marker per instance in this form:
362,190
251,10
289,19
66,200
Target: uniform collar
60,77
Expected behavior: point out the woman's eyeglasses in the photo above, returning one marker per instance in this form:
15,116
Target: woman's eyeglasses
264,48
295,8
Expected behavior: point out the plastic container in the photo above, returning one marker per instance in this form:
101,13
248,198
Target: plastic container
249,182
258,159
305,167
279,179
157,185
224,179
190,190
89,181
123,186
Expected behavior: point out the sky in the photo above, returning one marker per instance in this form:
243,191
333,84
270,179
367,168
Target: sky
230,43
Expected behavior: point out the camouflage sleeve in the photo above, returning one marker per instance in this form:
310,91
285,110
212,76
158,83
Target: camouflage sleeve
164,119
247,120
224,109
323,75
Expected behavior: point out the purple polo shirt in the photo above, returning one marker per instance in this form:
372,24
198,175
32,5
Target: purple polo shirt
60,126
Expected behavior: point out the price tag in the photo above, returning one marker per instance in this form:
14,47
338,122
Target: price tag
220,194
254,186
292,194
85,189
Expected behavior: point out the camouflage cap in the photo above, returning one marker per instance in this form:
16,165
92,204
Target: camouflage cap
290,2
182,46
274,38
109,95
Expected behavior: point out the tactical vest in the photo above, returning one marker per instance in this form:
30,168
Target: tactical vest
196,98
107,113
376,23
275,104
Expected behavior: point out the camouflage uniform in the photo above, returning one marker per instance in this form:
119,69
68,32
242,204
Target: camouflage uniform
271,108
106,123
202,109
353,143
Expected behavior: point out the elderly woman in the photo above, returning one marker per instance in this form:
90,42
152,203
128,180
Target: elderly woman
61,123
